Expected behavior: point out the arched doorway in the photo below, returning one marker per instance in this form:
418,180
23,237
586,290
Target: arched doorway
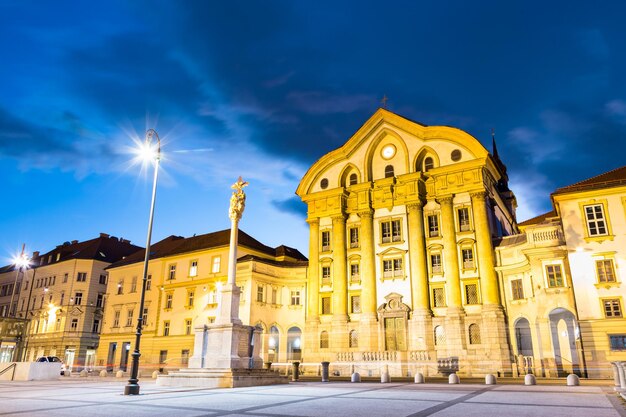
524,343
272,344
294,343
564,330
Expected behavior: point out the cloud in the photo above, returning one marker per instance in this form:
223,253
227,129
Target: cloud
319,102
291,205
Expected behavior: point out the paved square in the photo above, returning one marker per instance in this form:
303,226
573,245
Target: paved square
103,397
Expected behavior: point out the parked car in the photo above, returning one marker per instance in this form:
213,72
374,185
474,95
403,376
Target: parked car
52,359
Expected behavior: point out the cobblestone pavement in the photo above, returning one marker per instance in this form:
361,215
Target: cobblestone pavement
103,397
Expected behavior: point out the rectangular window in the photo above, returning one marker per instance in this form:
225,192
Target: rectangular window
116,319
74,325
166,328
78,298
596,223
95,328
148,282
57,325
274,296
81,277
391,231
355,304
354,273
260,293
468,258
439,299
325,241
617,341
144,320
103,279
295,297
464,219
471,294
612,308
65,277
433,225
326,275
184,357
120,287
325,305
215,268
168,300
100,301
517,289
392,268
172,272
435,263
162,356
188,326
555,277
605,270
133,284
193,268
190,297
354,237
129,318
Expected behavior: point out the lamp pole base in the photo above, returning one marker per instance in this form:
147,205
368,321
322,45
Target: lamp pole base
131,389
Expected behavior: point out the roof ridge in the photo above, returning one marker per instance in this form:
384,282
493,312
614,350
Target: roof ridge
594,177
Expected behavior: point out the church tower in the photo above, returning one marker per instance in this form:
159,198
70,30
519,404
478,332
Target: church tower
401,261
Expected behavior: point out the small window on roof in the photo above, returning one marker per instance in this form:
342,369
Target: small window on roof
324,183
353,179
389,171
428,163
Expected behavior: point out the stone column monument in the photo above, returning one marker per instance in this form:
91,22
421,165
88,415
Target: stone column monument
226,353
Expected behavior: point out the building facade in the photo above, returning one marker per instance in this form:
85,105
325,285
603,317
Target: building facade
182,293
401,260
62,297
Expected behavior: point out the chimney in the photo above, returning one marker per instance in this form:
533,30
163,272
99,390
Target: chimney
35,254
74,242
105,235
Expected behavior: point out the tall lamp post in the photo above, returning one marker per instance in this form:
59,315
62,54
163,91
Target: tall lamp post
21,262
132,388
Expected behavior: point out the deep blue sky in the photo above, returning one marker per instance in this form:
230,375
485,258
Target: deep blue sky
262,89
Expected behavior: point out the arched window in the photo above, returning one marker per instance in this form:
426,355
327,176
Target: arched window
474,334
294,343
428,164
389,171
324,340
354,339
273,343
440,336
353,179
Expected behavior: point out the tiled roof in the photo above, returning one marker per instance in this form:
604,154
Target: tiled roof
174,245
538,219
614,178
273,262
104,248
511,240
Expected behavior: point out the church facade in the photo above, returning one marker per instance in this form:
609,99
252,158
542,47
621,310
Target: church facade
401,261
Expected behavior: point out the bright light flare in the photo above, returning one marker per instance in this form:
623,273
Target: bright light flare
21,261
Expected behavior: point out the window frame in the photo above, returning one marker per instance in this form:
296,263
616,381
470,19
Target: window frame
547,275
614,301
433,229
464,221
603,274
325,240
516,292
193,268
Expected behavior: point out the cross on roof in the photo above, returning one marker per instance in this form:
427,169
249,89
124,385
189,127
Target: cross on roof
384,101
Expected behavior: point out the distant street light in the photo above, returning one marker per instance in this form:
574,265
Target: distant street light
21,262
150,154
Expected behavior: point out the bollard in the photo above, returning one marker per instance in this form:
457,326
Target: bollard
384,378
103,373
84,373
325,366
268,365
490,379
419,378
155,374
530,379
295,374
573,380
119,374
356,377
453,379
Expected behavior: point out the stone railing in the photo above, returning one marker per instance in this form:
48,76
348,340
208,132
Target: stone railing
543,236
345,357
387,355
419,355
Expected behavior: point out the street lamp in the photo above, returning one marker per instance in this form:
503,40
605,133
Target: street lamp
21,262
148,153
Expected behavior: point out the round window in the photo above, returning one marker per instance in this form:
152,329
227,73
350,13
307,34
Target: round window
456,155
324,183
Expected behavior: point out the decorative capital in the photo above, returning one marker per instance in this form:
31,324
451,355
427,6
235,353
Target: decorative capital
480,195
366,214
447,200
313,221
415,206
339,218
237,200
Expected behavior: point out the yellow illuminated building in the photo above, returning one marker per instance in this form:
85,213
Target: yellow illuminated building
401,261
182,293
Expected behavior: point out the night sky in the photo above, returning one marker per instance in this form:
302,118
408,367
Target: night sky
262,89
